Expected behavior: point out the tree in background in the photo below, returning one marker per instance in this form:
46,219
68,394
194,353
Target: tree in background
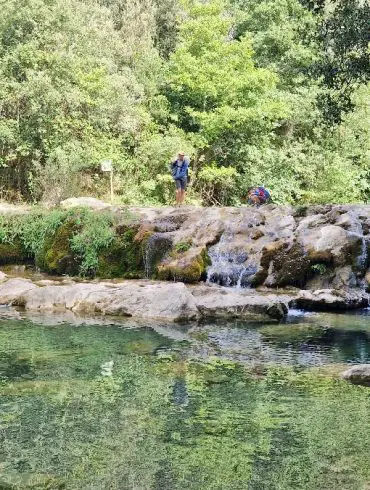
240,85
66,99
345,60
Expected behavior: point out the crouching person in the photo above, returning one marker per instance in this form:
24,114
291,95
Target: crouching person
258,196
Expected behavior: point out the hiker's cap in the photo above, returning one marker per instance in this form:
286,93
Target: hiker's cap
181,153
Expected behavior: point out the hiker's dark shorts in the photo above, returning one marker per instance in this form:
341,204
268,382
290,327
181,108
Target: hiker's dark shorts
181,183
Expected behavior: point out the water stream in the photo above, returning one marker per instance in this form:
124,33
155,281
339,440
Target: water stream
112,404
228,265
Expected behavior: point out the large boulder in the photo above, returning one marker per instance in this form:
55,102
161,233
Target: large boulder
358,375
219,302
188,266
330,244
12,289
162,301
331,300
367,279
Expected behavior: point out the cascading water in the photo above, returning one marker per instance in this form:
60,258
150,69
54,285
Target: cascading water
228,264
362,259
157,245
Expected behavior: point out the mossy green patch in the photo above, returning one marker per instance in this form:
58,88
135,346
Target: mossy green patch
303,332
57,255
186,268
123,257
13,253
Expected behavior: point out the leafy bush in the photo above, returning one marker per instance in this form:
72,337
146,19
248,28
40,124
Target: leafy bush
46,235
217,185
182,247
319,269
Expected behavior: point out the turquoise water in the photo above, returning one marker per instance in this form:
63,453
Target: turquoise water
117,405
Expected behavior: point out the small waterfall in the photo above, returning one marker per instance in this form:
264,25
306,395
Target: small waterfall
228,265
362,259
157,245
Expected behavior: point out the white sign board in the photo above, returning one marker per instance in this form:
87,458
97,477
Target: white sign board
106,166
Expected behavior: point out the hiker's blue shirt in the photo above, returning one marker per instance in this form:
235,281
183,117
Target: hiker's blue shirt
180,169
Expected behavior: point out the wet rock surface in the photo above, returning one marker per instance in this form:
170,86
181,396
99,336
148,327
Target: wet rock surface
217,302
358,375
311,248
331,300
172,301
318,247
143,299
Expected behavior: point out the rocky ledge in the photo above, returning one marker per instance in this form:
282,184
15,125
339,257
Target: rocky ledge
311,248
159,300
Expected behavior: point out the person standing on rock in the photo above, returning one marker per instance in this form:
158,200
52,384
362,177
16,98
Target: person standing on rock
180,171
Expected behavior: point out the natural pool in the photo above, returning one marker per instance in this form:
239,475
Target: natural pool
219,406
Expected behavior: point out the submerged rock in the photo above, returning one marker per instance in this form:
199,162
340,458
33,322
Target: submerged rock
358,375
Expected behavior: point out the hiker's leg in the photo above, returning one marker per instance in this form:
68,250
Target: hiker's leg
183,189
178,192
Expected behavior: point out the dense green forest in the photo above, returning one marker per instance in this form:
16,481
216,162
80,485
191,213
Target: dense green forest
271,92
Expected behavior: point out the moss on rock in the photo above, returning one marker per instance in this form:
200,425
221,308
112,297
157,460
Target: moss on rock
56,255
13,253
189,267
124,255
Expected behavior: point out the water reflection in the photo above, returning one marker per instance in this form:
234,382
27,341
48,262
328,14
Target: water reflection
127,407
305,339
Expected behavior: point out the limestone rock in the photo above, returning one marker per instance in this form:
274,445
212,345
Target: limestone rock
12,289
187,267
219,302
358,375
330,244
331,300
3,276
166,301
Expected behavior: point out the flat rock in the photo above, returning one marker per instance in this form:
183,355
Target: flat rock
85,202
331,300
165,301
219,302
12,289
358,375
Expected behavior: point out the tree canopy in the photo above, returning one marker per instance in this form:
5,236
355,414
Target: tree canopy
269,92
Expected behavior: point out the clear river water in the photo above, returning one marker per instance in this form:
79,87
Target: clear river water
114,404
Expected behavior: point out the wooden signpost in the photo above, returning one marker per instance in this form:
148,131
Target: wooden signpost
107,166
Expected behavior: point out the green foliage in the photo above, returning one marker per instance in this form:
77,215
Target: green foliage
96,234
78,242
234,83
344,62
182,247
319,269
123,257
217,185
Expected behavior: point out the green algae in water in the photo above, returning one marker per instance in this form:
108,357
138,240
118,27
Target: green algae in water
163,421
